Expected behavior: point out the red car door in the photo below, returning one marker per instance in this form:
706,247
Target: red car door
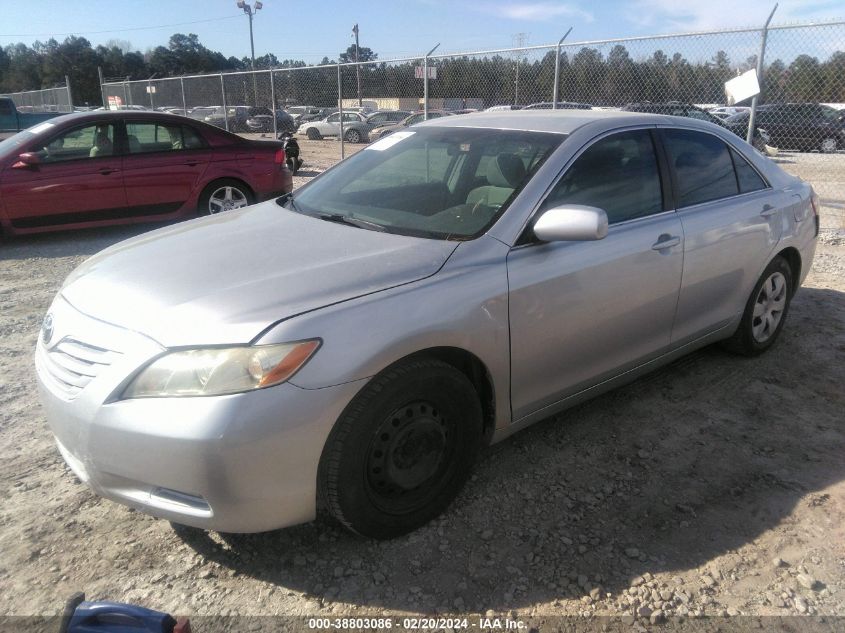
77,179
163,166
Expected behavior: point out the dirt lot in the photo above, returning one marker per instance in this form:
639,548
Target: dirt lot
714,486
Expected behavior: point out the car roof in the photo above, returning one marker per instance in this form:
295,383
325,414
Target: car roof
558,121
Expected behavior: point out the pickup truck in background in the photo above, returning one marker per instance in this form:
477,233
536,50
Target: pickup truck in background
13,121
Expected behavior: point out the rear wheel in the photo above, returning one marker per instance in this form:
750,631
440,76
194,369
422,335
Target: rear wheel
402,449
313,133
766,310
224,195
829,145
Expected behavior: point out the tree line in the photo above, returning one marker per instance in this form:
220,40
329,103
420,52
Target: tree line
585,76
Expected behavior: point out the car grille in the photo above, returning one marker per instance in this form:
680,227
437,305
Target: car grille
72,364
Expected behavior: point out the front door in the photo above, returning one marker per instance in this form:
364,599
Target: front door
78,179
581,312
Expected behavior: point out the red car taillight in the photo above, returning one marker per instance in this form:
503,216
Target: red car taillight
279,158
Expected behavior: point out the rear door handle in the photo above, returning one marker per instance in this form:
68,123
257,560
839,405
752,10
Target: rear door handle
192,163
768,211
666,241
105,171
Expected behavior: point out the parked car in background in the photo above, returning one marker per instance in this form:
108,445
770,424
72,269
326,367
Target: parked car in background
561,105
359,341
233,119
761,138
355,127
798,126
415,118
12,120
261,120
723,112
501,108
117,167
301,114
380,118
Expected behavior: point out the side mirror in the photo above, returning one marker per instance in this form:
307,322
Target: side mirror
27,160
571,223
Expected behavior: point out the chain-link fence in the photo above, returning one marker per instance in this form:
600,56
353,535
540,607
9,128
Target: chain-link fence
798,118
56,99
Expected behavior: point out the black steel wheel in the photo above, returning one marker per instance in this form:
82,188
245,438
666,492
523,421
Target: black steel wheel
402,449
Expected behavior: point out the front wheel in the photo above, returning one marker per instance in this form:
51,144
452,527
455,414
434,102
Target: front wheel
353,136
224,195
402,449
765,312
313,134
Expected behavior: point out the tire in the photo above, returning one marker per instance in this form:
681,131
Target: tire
828,145
402,449
293,165
313,134
769,301
352,136
239,196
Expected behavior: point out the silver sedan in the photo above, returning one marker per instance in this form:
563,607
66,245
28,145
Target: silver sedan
360,340
355,127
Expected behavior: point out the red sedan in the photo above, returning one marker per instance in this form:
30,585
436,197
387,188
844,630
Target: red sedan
102,168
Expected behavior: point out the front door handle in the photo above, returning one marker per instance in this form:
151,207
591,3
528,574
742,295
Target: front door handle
666,241
105,171
192,163
768,211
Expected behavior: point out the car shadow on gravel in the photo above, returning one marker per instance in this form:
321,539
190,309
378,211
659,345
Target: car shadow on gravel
81,242
688,464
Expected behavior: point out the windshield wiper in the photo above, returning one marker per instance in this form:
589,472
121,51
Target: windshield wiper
351,221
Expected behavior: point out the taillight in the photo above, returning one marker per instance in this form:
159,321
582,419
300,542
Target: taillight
815,202
279,158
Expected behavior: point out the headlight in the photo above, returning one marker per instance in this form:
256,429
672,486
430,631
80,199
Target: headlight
216,371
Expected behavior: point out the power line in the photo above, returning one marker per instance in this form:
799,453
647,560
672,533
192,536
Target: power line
135,28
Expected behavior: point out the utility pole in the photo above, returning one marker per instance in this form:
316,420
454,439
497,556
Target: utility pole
250,10
357,64
519,41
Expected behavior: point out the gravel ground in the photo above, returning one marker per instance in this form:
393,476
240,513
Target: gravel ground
713,486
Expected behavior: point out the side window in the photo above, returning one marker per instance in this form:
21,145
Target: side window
144,137
703,166
416,119
190,138
747,177
6,107
90,141
335,118
619,174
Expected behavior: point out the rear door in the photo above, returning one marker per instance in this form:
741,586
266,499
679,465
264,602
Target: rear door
79,179
731,223
163,167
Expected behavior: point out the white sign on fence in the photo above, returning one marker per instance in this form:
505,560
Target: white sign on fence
419,72
742,87
151,89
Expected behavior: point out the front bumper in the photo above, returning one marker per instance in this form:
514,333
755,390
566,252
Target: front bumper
239,463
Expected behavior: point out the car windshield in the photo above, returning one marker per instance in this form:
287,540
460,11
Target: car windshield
441,183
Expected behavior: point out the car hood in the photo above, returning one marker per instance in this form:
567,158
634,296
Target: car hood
224,279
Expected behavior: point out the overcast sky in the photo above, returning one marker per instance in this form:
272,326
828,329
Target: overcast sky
310,29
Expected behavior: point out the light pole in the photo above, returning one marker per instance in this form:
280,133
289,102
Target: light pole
357,64
250,10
